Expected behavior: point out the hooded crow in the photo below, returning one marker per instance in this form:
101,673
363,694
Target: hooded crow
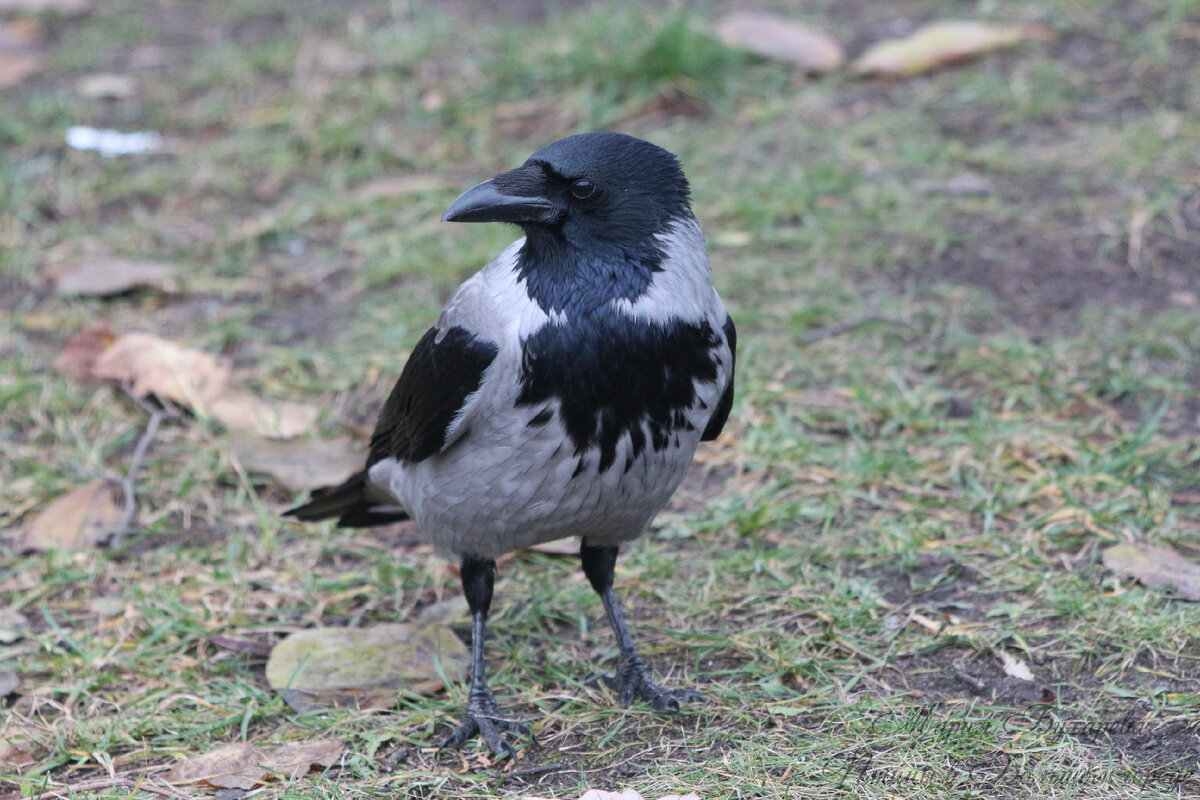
561,393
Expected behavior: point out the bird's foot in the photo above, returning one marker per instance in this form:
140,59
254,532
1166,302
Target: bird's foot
483,719
631,683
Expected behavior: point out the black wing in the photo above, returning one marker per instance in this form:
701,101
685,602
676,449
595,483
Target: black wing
413,425
717,421
432,389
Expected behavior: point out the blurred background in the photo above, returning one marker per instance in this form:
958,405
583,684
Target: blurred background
965,270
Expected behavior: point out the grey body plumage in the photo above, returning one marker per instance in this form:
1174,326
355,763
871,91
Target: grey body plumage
564,389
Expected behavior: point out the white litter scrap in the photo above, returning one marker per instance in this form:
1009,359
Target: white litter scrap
1015,667
109,143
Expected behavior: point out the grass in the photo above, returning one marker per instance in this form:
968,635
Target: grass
899,501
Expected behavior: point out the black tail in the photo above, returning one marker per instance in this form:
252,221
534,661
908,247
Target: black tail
350,503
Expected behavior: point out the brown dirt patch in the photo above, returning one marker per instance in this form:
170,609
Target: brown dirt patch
949,677
1042,278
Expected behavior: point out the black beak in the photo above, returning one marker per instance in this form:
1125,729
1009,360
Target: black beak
512,196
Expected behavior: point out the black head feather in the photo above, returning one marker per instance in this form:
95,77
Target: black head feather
631,189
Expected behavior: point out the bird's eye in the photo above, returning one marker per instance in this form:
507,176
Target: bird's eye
582,189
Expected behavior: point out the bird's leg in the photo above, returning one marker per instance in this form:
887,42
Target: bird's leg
631,680
482,717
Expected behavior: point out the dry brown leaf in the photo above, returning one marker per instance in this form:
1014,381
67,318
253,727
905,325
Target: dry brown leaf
776,37
300,464
932,46
20,57
15,67
78,358
106,86
14,756
104,276
1155,566
380,657
76,521
150,365
273,419
244,766
558,547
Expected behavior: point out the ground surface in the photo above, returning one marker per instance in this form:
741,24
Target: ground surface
950,401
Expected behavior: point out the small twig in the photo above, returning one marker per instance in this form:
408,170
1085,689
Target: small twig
969,680
157,415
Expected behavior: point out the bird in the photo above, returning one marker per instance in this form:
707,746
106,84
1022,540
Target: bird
562,392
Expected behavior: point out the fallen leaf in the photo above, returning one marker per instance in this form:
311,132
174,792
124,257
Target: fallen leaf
1014,667
776,37
106,86
1155,566
389,656
245,766
300,464
101,277
559,547
78,358
273,419
14,756
20,57
150,365
76,521
932,46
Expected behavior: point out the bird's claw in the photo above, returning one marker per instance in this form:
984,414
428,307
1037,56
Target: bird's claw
632,683
486,721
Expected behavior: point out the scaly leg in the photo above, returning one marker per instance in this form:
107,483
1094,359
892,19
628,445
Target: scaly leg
631,680
482,717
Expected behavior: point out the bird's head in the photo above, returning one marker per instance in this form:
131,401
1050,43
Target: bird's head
588,190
